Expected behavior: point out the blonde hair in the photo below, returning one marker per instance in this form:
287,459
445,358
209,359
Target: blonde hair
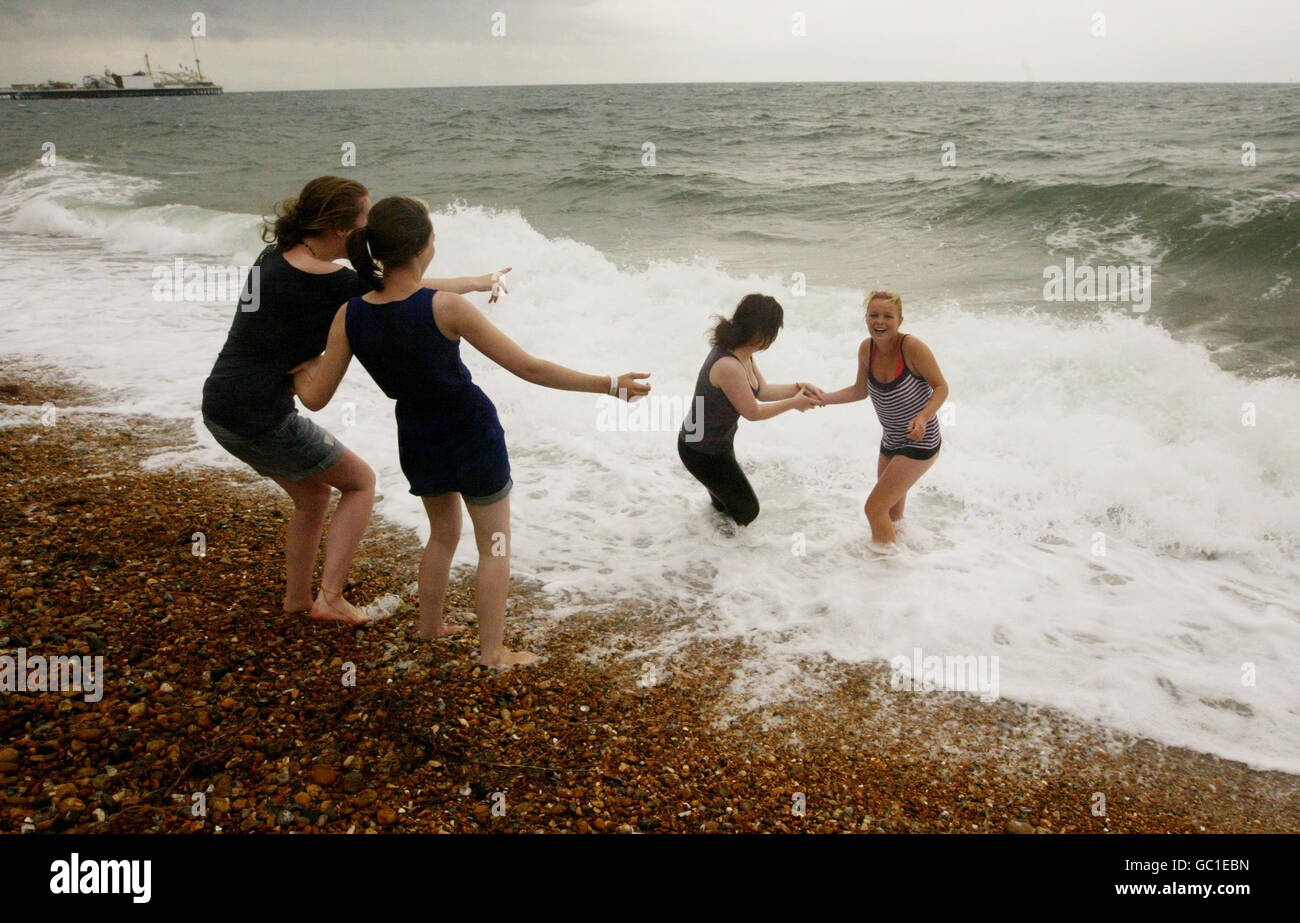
884,295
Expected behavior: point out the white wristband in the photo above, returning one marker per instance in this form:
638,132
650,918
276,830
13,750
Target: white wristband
613,386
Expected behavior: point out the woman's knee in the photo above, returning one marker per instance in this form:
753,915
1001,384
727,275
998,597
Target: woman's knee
352,475
492,545
876,507
366,479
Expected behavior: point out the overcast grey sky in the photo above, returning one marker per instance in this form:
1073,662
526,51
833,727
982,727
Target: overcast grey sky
269,45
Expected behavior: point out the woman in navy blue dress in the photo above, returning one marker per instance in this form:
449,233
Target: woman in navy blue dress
450,441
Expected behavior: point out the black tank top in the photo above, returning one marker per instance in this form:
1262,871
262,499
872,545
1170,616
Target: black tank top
249,390
711,421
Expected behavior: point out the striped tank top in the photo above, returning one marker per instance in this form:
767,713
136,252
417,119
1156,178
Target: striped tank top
898,401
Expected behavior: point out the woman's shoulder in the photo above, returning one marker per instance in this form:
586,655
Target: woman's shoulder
308,265
721,357
721,362
912,345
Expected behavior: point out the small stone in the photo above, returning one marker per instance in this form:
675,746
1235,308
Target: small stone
353,783
9,755
1019,826
136,711
323,774
366,798
387,817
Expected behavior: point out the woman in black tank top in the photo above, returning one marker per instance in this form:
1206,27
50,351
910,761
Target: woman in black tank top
729,387
248,404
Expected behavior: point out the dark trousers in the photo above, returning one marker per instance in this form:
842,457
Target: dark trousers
726,483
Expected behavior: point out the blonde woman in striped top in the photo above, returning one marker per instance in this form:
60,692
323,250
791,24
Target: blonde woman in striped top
900,375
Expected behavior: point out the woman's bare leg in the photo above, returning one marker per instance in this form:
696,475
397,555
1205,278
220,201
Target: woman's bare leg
435,564
492,584
311,501
896,478
895,511
356,484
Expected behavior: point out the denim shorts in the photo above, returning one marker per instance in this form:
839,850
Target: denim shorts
295,448
486,499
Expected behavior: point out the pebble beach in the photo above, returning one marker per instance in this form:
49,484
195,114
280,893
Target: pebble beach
222,714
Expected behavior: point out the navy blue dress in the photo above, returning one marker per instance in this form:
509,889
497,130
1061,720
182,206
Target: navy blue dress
449,438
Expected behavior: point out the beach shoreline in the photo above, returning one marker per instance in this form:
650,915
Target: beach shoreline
214,699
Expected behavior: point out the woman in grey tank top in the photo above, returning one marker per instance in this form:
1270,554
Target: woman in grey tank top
728,387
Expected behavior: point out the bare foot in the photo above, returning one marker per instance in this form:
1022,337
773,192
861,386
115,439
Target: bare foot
507,659
332,607
439,630
297,606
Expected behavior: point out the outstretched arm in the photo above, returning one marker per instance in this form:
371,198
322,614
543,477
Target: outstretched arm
858,390
316,380
729,375
768,392
457,317
462,284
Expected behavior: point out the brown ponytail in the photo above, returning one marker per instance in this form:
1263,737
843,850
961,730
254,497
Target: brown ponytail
395,233
358,245
327,203
757,316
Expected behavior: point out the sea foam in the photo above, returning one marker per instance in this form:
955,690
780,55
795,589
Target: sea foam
1112,515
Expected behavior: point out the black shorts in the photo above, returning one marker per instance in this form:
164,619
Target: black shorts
908,451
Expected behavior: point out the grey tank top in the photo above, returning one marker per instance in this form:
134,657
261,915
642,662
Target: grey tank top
711,421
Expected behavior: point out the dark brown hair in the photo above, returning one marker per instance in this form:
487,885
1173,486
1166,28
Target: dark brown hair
397,230
327,203
756,316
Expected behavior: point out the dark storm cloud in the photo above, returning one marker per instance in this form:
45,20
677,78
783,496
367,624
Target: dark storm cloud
240,20
284,44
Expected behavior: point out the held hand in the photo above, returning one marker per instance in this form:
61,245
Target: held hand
813,390
814,394
803,401
494,282
630,388
916,429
